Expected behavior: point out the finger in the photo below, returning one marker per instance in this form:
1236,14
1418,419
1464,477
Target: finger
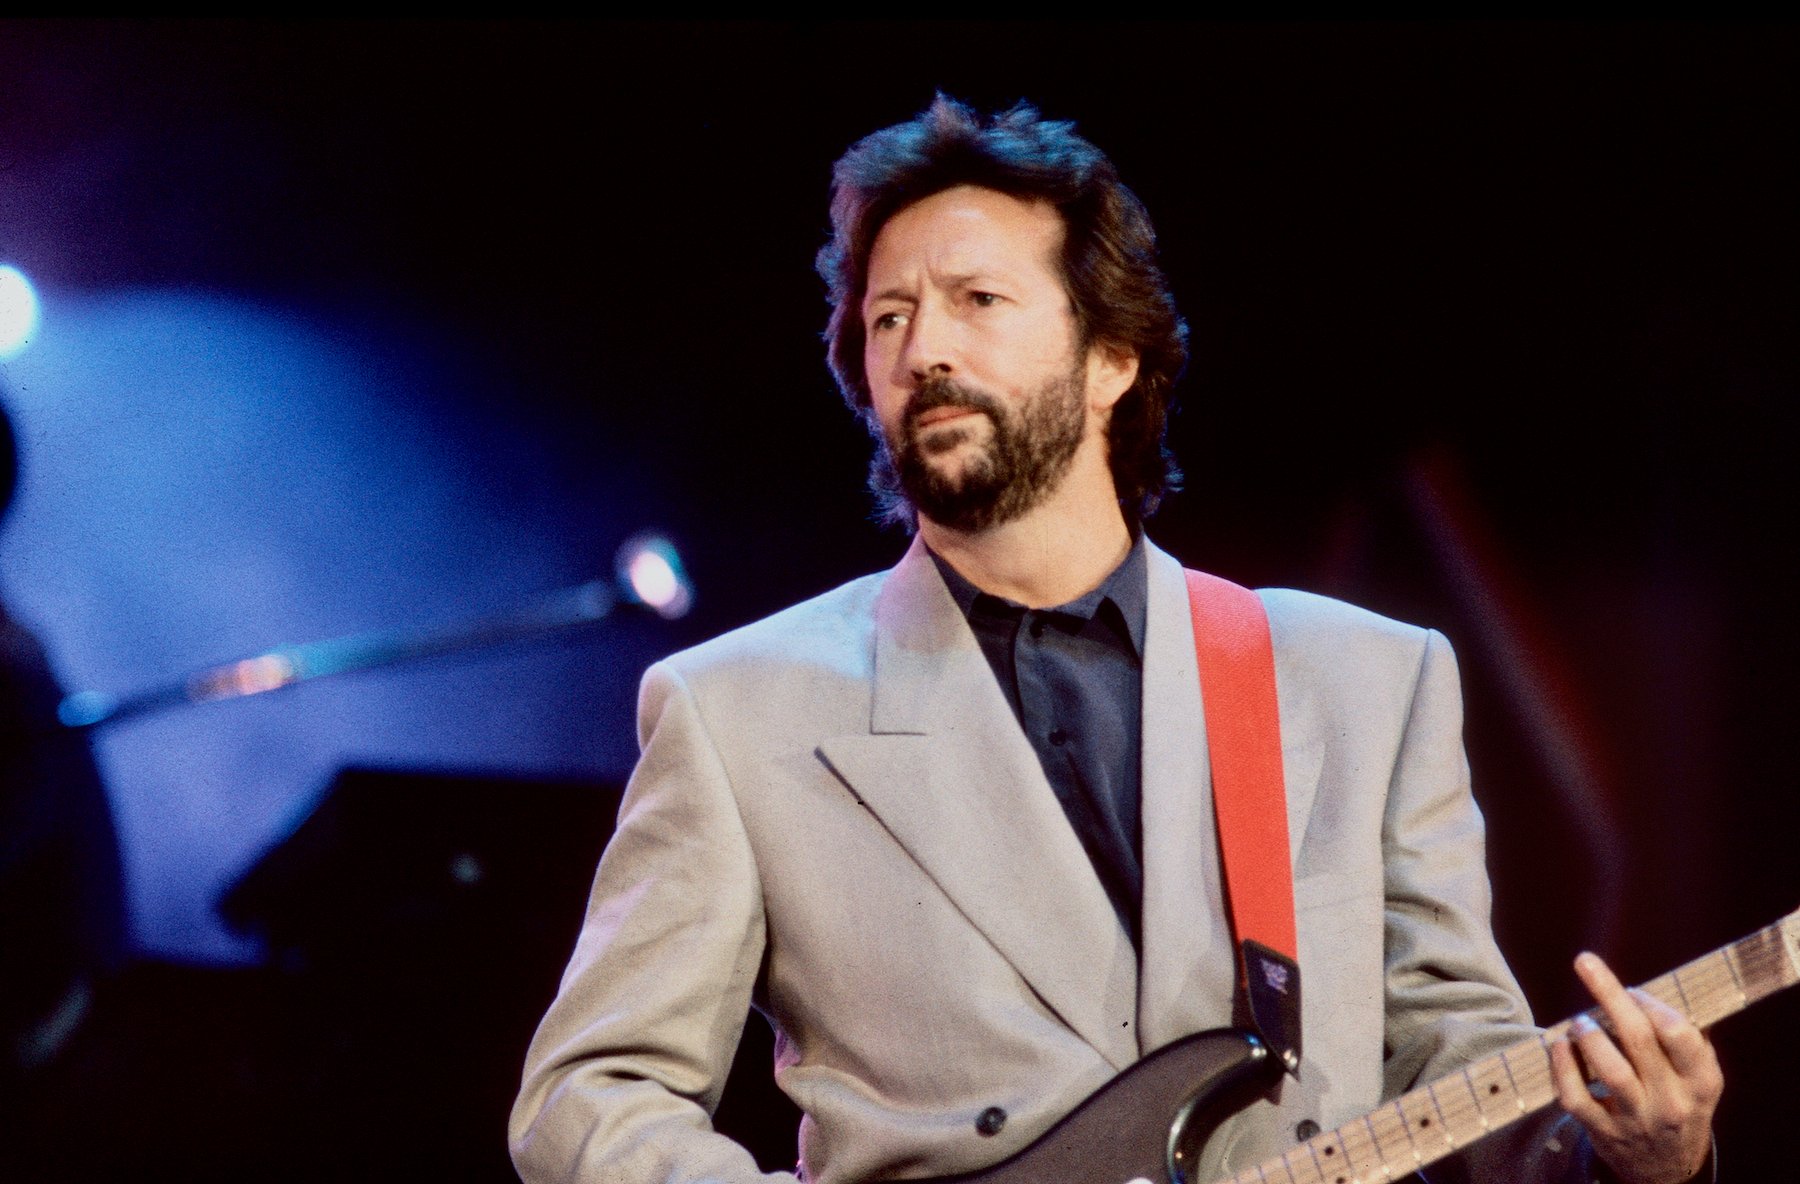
1572,1089
1632,1031
1607,1065
1689,1051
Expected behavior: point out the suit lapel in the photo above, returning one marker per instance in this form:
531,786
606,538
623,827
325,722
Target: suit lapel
947,770
1189,973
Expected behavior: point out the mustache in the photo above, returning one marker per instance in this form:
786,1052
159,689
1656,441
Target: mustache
939,392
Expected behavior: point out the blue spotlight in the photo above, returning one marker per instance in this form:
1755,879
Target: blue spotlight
18,311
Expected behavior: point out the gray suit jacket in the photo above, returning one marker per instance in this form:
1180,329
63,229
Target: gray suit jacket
837,818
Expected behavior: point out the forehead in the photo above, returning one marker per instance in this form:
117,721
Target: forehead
968,231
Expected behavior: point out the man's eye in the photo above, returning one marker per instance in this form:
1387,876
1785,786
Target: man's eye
887,320
984,299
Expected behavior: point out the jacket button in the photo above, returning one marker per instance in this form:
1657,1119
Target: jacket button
989,1121
1306,1130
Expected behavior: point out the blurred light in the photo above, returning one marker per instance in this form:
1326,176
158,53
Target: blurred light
651,569
18,311
85,708
269,672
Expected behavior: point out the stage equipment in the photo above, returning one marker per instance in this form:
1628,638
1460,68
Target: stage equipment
648,573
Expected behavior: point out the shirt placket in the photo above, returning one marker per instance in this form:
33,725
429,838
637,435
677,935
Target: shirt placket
1032,666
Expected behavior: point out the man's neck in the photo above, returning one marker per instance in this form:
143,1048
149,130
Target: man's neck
1059,550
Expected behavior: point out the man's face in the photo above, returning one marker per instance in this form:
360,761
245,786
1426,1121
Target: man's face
970,355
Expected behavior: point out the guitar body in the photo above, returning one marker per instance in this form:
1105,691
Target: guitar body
1149,1122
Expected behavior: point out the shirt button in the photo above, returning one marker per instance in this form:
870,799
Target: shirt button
1037,627
1058,737
989,1121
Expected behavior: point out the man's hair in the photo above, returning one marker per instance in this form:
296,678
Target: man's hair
1108,260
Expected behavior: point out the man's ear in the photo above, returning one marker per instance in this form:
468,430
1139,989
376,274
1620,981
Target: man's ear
1111,369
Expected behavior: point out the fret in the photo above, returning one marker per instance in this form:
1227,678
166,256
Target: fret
1362,1153
1425,1125
1387,1127
1756,966
1333,1164
1505,1063
1704,1002
1736,979
1715,988
1775,962
1529,1064
1386,1156
1301,1167
1781,943
1493,1091
1687,1006
1726,995
1463,1119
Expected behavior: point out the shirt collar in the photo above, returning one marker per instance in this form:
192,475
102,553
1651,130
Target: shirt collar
1126,587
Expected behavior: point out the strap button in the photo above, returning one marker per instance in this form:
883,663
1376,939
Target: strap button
989,1121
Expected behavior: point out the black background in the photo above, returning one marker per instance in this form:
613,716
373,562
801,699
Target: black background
1532,282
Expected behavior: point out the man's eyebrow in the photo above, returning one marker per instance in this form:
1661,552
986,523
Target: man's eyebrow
962,280
887,294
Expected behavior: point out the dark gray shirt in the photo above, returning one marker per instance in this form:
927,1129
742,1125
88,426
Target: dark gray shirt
1074,675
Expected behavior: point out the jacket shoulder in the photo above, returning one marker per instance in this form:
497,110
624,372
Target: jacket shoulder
1335,642
1310,616
831,632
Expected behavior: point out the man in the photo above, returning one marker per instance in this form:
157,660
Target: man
949,827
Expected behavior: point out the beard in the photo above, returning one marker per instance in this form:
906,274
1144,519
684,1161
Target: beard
1027,454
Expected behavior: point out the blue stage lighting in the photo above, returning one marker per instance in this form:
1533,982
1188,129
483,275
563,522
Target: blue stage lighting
18,311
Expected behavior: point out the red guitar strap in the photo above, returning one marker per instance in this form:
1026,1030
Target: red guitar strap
1243,739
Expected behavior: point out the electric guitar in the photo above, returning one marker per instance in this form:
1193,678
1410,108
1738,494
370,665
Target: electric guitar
1147,1125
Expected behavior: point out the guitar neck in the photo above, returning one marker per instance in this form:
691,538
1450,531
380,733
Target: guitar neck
1432,1121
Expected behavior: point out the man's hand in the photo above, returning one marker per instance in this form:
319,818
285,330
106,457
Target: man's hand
1652,1121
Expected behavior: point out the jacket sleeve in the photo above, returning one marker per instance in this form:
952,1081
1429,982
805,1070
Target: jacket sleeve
629,1062
1450,998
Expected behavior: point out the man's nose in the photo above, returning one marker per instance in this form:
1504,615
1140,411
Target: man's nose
930,345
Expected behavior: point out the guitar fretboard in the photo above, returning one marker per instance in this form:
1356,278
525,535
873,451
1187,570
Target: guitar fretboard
1432,1121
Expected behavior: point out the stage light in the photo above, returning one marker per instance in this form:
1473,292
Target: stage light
18,311
651,568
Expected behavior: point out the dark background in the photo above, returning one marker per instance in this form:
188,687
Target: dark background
1493,330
